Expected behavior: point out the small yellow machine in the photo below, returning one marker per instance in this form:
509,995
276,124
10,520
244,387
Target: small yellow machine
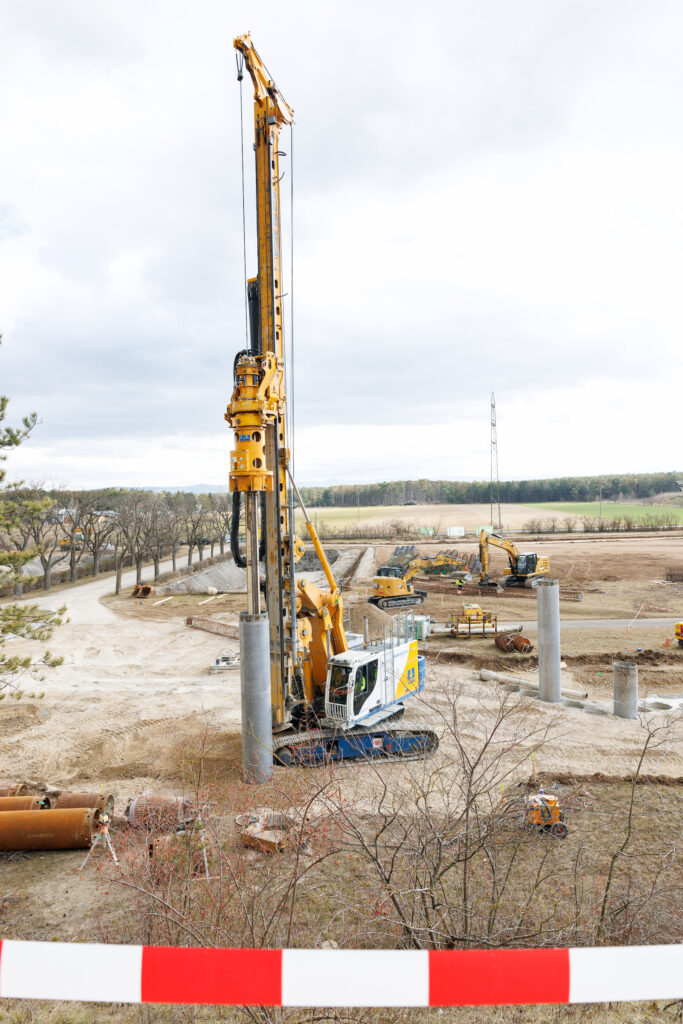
392,589
542,813
78,541
678,632
474,621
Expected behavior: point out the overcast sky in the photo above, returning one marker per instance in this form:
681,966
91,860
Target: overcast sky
487,198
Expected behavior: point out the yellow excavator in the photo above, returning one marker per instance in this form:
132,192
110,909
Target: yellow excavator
332,697
523,569
392,587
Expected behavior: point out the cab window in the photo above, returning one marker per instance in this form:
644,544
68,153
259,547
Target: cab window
366,678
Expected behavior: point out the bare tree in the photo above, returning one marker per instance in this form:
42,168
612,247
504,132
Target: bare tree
155,528
98,530
121,550
175,525
658,736
73,527
221,512
131,531
445,848
195,528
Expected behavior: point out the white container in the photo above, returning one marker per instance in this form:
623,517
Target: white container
423,626
456,531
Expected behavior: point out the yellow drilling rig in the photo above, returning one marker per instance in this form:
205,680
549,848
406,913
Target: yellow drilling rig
327,699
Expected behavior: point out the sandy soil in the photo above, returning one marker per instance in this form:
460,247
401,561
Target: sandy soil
134,688
131,668
576,561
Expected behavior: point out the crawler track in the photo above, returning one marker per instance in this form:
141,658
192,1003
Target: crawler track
406,601
381,743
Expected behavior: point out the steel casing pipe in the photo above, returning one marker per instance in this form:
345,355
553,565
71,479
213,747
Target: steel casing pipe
257,729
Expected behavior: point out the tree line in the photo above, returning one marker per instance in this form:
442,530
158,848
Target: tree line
619,486
108,529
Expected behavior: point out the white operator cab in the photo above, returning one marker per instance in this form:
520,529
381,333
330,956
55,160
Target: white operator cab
365,686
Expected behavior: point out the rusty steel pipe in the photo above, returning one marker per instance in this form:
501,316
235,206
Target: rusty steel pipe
21,789
522,644
158,813
504,641
48,830
102,802
24,803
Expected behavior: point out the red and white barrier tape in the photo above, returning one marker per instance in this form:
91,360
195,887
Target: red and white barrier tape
305,977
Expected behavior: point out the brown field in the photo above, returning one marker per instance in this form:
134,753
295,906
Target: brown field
513,517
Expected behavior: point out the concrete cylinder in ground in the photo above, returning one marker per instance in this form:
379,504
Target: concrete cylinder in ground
549,675
625,676
257,731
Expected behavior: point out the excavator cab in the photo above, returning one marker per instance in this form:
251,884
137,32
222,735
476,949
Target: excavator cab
394,572
526,564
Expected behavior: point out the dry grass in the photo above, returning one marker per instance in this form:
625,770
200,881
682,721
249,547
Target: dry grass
32,1012
339,897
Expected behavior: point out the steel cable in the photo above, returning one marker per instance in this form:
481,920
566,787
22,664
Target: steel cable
291,295
240,76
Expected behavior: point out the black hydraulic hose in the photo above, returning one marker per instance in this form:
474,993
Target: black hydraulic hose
262,542
240,559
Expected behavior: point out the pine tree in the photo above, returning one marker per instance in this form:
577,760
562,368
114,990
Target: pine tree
24,621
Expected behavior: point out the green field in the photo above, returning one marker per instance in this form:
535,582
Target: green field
612,510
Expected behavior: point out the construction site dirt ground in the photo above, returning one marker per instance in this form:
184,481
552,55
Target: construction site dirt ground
133,698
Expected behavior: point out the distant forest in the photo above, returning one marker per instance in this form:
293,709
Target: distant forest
525,492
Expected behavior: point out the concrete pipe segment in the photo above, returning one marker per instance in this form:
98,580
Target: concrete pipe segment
549,674
257,730
102,802
625,680
47,830
24,803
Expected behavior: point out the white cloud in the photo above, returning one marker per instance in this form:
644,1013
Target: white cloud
486,199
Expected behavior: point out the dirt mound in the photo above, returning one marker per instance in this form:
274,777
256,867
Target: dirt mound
226,578
646,656
377,620
309,561
366,566
569,778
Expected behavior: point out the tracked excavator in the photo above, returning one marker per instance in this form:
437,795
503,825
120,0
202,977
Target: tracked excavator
392,586
331,699
523,568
